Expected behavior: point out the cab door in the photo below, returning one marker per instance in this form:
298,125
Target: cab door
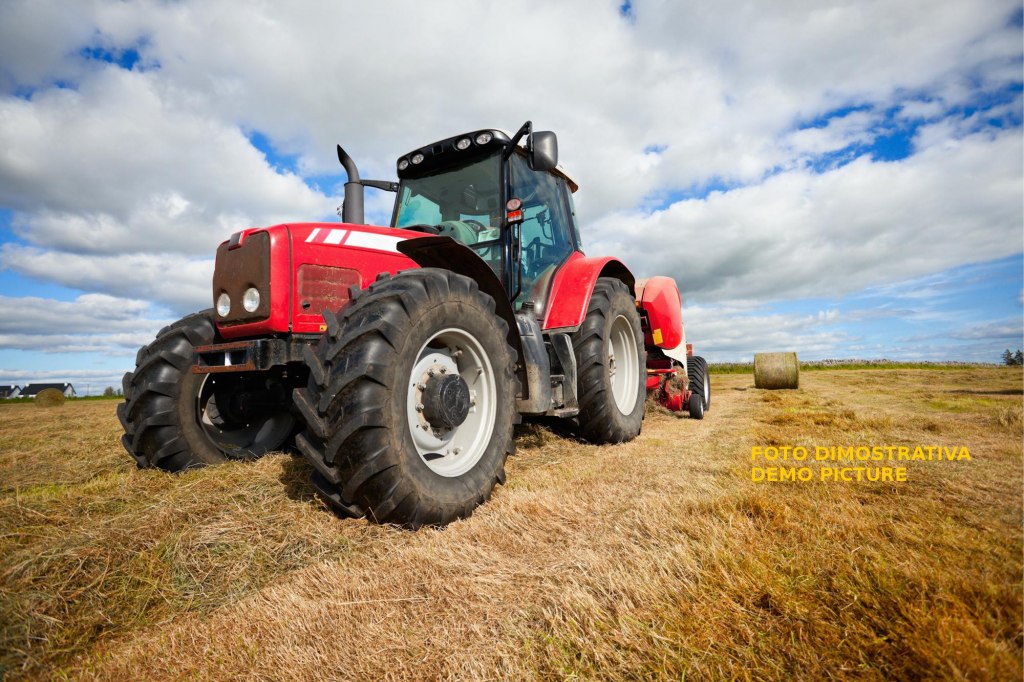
546,235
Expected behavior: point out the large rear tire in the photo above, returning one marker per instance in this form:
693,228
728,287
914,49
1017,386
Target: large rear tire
410,401
174,419
611,366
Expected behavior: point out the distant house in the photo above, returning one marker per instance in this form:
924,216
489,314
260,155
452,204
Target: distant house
10,391
32,390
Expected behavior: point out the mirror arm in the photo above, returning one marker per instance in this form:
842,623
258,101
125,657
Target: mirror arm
526,129
380,184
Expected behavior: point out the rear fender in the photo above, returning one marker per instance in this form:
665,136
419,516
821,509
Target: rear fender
573,285
662,304
448,254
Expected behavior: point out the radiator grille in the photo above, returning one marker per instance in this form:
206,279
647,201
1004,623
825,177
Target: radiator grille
322,287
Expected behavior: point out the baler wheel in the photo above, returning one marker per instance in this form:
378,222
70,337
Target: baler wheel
699,378
696,406
611,365
410,401
171,417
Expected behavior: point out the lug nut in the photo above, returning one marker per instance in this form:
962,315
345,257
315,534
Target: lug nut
419,407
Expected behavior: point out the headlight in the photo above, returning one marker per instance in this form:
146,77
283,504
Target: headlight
462,144
417,158
403,164
223,304
250,300
484,138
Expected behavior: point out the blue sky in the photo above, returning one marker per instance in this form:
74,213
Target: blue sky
845,182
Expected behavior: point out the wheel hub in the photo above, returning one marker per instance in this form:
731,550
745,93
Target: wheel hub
446,401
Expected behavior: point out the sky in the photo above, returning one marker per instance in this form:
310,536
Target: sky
842,179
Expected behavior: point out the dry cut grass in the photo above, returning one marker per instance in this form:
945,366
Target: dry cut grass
657,559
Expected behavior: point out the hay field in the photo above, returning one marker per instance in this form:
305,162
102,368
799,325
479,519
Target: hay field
657,559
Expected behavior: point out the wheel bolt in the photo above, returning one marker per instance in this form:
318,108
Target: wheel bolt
444,370
419,407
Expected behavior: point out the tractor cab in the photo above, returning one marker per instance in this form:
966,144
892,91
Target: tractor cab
502,195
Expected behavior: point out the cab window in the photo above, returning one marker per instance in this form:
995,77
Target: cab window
462,202
544,234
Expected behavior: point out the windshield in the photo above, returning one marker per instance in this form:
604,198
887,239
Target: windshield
462,202
461,193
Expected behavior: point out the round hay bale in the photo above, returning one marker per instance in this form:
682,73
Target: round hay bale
49,397
776,370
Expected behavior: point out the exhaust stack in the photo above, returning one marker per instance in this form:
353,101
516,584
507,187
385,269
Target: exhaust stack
352,210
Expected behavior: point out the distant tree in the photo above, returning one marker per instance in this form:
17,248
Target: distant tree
108,392
1018,357
1008,357
120,392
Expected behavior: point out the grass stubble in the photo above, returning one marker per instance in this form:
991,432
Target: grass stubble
656,559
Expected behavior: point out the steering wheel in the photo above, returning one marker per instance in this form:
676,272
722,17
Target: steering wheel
427,229
477,226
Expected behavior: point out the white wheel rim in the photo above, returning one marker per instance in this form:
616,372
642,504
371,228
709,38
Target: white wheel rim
453,452
623,364
707,389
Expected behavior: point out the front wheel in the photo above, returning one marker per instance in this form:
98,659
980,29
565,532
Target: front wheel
611,366
174,419
410,401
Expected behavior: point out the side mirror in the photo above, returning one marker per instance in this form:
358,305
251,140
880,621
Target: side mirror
543,146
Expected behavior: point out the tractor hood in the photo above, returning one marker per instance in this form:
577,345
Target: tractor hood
281,279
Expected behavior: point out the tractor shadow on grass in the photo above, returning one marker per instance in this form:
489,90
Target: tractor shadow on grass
295,473
533,431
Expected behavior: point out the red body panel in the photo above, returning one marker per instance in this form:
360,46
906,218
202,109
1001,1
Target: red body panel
571,289
280,271
365,249
659,298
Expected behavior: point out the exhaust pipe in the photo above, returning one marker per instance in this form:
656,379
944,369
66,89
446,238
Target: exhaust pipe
352,211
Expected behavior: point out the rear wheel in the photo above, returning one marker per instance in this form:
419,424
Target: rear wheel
174,419
699,378
611,365
696,406
410,401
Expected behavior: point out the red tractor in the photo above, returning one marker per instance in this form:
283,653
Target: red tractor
397,359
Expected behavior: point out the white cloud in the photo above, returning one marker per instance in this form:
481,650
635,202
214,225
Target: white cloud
123,182
728,333
88,314
124,165
999,329
97,329
183,284
802,234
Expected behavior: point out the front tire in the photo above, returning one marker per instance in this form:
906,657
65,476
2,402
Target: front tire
174,419
611,366
410,401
